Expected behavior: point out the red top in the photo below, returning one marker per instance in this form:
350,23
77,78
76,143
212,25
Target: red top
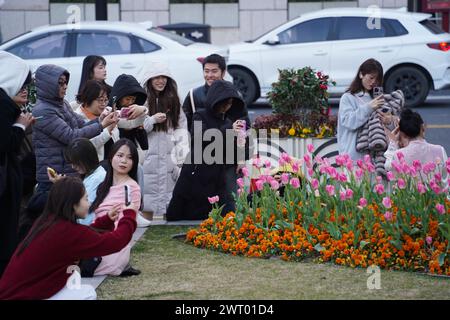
40,271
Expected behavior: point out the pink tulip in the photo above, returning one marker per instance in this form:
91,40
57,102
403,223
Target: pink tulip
370,168
315,184
349,165
417,165
379,188
349,193
281,162
274,185
359,173
360,163
429,240
367,159
284,178
387,203
286,157
330,189
307,159
310,148
295,183
436,189
421,188
259,185
363,202
429,167
342,177
390,176
440,208
310,171
397,166
257,162
401,184
438,177
342,195
400,156
340,160
267,163
240,191
379,179
245,172
295,166
388,216
213,200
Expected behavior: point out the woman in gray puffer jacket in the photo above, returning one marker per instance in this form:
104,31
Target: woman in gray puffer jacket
56,126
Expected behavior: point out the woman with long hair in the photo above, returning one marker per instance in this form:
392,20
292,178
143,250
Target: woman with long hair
357,105
121,173
44,261
93,101
168,140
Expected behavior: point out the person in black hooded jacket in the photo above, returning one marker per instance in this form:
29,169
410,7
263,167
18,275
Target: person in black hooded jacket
200,177
127,93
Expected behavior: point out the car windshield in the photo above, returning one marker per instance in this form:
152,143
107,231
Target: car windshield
172,36
259,37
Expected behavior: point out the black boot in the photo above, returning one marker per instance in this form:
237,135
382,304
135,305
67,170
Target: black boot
130,271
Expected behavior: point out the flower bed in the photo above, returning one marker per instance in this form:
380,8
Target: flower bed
339,215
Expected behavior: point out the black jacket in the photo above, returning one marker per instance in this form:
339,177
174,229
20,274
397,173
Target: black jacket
127,85
200,180
10,144
199,96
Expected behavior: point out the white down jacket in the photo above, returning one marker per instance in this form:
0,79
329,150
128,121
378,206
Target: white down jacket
165,151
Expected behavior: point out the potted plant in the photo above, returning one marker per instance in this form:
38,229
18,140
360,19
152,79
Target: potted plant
300,116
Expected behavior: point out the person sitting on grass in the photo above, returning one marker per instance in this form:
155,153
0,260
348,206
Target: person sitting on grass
41,266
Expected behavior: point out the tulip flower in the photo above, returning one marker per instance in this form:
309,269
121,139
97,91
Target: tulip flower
245,172
315,184
429,240
342,196
259,185
421,188
240,182
363,202
274,185
284,178
349,193
401,184
387,203
379,188
440,208
390,176
388,216
330,189
295,183
310,148
213,200
400,156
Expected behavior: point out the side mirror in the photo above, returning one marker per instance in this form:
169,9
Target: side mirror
273,41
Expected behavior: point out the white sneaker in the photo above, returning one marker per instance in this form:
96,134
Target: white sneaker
142,222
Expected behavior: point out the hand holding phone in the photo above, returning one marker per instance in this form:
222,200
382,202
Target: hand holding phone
377,91
124,112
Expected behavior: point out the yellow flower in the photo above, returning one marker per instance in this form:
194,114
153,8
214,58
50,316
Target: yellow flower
306,130
291,131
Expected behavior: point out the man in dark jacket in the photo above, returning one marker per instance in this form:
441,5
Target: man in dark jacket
201,177
14,78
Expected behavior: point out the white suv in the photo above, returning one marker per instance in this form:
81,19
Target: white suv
414,52
127,47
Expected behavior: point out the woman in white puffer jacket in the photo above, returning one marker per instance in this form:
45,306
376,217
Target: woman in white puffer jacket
168,139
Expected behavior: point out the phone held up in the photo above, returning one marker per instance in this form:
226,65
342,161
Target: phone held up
127,195
377,91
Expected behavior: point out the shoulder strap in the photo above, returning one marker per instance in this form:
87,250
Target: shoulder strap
191,95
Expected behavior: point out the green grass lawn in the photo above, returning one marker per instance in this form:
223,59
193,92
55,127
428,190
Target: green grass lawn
172,269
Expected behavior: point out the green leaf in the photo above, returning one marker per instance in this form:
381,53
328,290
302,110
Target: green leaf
442,259
318,247
362,244
397,244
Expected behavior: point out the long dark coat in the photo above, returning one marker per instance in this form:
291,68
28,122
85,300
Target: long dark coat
199,181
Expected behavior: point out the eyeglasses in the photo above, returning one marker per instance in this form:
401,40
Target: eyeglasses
102,100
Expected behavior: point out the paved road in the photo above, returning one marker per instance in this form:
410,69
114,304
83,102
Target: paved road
435,112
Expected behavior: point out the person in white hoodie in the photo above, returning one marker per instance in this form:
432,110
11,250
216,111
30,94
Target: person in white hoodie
14,80
356,106
168,139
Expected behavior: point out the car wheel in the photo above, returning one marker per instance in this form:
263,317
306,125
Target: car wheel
245,83
412,82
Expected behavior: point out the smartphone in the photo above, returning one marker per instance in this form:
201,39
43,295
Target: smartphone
127,195
124,112
377,91
114,103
